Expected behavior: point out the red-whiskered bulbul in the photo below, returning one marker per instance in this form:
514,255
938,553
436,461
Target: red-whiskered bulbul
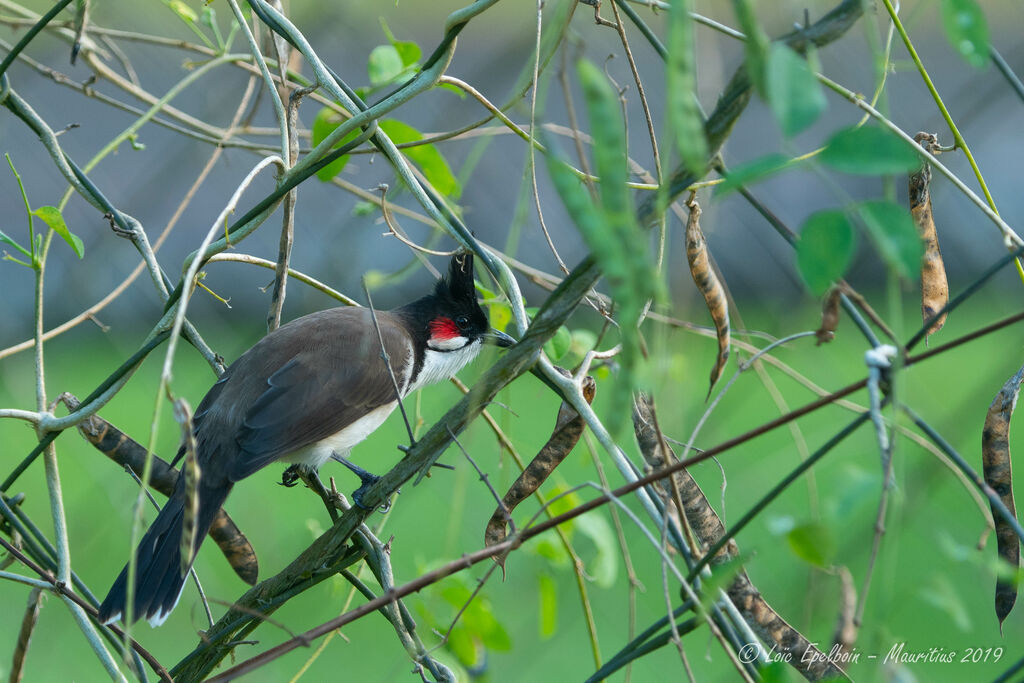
310,390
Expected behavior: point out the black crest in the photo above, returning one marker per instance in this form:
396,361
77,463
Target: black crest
458,284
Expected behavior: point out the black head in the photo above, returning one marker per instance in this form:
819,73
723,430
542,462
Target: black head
451,318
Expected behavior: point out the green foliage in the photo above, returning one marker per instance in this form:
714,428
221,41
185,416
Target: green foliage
966,30
869,150
558,345
813,543
4,239
427,157
184,12
756,44
323,125
684,115
826,248
52,217
384,65
895,236
604,567
408,51
794,94
749,173
394,62
547,597
478,628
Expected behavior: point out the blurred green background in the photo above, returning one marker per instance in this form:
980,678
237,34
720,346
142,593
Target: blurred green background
931,589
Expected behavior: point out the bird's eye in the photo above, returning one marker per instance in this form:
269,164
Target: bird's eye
462,321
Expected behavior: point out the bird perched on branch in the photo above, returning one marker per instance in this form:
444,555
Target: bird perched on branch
307,392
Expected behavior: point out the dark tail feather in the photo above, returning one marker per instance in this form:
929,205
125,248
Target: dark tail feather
159,578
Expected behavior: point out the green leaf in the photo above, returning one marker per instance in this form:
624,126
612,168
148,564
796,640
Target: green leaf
455,592
681,90
825,250
583,341
384,65
465,646
558,345
776,671
408,51
895,236
756,44
869,150
753,171
427,157
184,12
548,612
52,217
552,551
500,315
794,94
323,125
813,543
7,240
362,208
604,568
479,619
209,18
966,30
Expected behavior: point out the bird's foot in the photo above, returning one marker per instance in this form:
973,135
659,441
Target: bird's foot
367,479
290,477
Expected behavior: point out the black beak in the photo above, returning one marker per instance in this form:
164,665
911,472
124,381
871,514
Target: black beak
497,338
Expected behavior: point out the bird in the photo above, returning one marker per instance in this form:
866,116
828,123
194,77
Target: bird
307,392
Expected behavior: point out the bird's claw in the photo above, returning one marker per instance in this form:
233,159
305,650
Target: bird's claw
290,477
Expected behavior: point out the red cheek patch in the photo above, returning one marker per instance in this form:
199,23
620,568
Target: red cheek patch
444,328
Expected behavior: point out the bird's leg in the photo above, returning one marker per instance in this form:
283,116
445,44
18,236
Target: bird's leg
312,479
368,479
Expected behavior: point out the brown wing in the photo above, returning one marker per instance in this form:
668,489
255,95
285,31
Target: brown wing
306,381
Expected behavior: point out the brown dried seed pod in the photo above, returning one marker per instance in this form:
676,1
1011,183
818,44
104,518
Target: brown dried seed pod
829,316
995,457
934,287
709,286
568,429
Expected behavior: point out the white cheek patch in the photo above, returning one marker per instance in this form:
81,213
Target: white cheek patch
449,344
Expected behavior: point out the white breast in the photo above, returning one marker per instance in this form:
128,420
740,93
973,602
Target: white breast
437,366
316,454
